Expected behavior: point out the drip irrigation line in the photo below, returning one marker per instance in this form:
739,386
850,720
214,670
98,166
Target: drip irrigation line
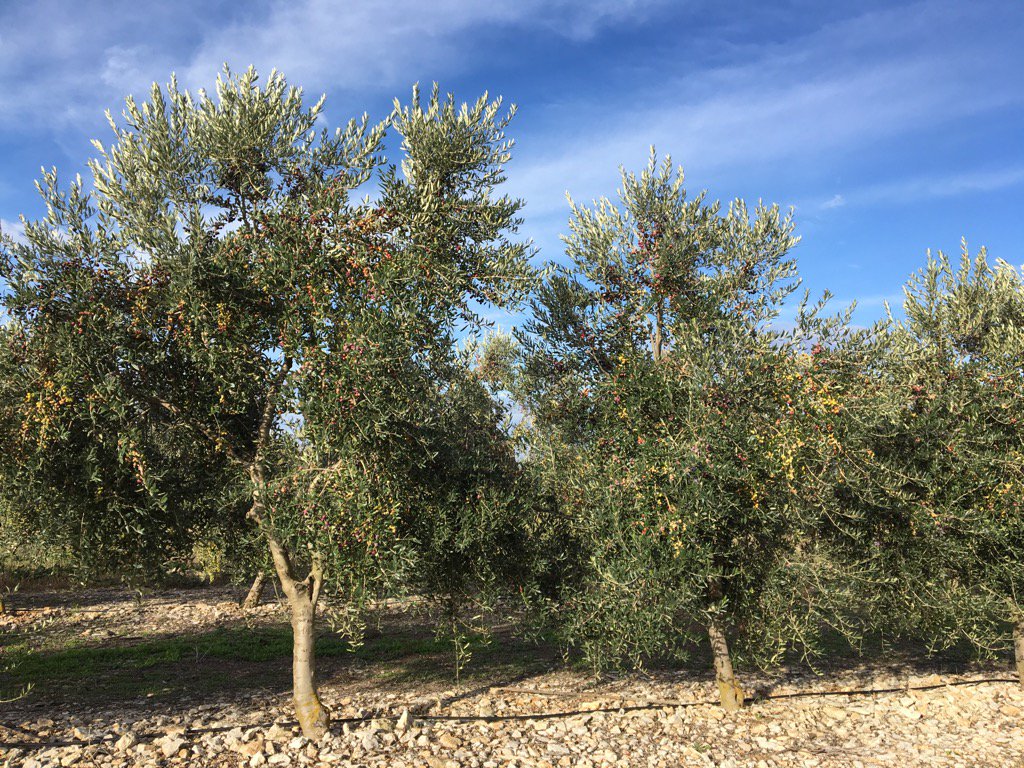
534,715
659,703
872,691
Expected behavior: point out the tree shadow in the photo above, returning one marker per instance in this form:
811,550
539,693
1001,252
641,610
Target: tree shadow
251,662
60,593
241,660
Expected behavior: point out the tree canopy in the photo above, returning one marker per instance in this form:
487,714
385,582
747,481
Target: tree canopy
215,337
220,287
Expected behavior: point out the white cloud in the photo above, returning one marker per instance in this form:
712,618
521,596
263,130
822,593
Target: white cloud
804,103
919,188
930,187
126,68
66,62
13,229
361,42
62,63
755,122
877,301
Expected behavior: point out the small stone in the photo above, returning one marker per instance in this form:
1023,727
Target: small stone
126,742
448,741
370,741
171,745
298,743
402,724
1010,710
250,748
281,758
233,738
834,713
257,760
278,732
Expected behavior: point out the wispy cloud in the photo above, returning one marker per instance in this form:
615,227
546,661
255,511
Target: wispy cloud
355,43
916,189
836,201
13,229
802,104
64,62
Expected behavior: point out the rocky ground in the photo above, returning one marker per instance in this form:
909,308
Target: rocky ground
515,706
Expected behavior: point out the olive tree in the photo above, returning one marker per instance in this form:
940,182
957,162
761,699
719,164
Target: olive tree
304,338
93,484
932,496
676,423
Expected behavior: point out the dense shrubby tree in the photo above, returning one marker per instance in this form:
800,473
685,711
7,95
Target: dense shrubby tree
226,290
96,485
677,424
934,480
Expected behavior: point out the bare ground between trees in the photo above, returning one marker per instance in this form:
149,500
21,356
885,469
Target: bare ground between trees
183,677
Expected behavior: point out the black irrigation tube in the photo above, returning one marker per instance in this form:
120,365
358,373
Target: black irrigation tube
537,715
869,692
682,704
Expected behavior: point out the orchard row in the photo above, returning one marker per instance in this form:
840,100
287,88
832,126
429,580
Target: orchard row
215,344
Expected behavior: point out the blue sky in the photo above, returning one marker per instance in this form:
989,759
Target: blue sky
891,127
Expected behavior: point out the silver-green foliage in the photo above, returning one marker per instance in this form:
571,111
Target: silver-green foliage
677,425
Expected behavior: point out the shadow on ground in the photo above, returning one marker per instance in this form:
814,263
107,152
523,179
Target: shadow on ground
244,660
401,652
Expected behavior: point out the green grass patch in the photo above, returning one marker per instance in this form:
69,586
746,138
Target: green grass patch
232,658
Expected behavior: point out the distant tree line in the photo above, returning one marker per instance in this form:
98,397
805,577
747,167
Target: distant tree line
215,344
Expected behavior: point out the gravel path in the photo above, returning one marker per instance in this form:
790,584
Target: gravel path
556,718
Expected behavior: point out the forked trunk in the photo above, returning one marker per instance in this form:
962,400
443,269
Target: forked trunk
310,711
302,594
1018,648
728,687
255,594
313,716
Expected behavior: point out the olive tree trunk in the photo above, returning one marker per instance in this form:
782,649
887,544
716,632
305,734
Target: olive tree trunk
1018,648
314,718
310,711
255,594
728,687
